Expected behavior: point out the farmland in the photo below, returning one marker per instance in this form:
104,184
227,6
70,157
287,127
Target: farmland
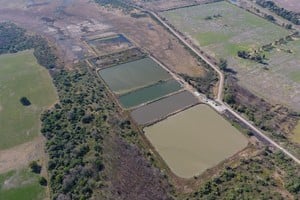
21,184
160,109
222,29
194,140
130,76
21,76
281,76
149,93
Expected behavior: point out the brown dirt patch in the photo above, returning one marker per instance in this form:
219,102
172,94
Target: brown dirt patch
20,156
292,5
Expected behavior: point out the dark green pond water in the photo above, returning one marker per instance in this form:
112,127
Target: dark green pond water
150,93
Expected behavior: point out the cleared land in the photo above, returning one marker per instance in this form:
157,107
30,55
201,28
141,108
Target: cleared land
21,75
130,76
149,93
194,140
160,109
21,184
292,5
110,44
20,156
223,29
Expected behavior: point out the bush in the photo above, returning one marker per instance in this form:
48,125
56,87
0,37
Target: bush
25,102
43,181
35,167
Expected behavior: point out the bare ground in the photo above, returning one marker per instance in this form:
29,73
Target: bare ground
161,5
66,29
20,156
292,5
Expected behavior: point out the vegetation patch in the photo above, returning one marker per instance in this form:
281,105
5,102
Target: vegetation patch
291,16
25,102
85,155
21,76
266,175
21,184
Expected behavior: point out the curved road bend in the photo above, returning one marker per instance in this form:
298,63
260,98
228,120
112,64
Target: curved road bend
220,89
215,67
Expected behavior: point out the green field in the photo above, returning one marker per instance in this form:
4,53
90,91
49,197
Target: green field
234,29
194,140
231,29
149,93
21,185
20,75
134,75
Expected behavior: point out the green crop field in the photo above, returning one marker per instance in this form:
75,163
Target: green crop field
228,29
194,140
22,76
21,184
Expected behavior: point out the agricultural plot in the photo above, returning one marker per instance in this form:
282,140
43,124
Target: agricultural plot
281,82
111,44
194,140
150,93
160,109
21,184
21,76
134,75
223,29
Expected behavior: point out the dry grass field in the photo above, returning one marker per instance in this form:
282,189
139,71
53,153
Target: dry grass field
293,5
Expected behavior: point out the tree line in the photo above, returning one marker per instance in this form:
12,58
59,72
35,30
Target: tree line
14,39
286,14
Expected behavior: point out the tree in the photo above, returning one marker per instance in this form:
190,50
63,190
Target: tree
24,101
43,181
35,167
229,98
223,64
